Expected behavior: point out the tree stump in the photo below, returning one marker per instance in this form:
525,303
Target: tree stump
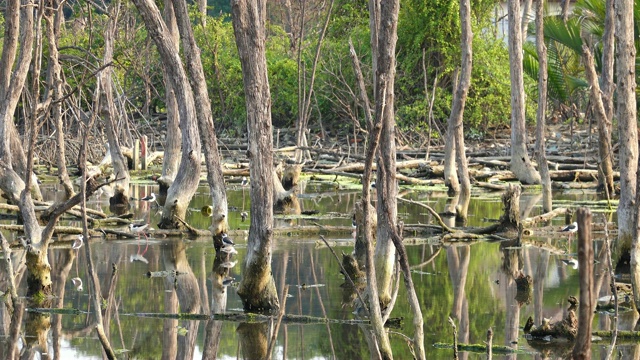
510,219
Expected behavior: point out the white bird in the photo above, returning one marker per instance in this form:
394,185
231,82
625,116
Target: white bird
244,181
228,281
139,229
571,228
227,240
77,282
77,244
571,262
150,199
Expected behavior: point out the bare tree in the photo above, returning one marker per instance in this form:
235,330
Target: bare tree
173,139
455,132
257,288
186,182
628,130
605,173
12,80
520,163
541,149
107,110
54,81
205,120
386,183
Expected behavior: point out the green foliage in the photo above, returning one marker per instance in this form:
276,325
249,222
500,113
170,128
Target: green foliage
283,78
433,26
223,72
489,101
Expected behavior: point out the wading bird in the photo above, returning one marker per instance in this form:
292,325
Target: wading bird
571,228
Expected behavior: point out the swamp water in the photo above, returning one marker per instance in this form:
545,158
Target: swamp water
464,281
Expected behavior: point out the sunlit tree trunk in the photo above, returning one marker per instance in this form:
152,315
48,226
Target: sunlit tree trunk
12,80
450,175
173,138
520,163
108,113
54,80
628,132
19,30
457,109
605,169
186,181
205,120
541,148
386,184
257,288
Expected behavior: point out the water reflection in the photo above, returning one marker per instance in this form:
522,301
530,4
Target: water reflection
472,283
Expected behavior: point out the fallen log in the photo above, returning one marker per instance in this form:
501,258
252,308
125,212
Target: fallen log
528,222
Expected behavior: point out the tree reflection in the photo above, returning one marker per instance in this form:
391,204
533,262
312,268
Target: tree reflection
185,286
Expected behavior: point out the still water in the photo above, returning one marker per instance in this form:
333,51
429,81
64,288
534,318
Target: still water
464,281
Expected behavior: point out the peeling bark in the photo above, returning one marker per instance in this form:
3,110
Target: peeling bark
257,288
386,185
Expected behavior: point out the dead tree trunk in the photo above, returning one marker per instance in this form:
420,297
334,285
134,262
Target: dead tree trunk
108,113
450,175
520,163
605,168
605,176
173,139
12,80
186,181
257,288
457,111
205,120
628,132
55,88
541,148
386,184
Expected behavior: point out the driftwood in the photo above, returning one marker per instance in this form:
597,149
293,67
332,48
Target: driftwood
528,222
